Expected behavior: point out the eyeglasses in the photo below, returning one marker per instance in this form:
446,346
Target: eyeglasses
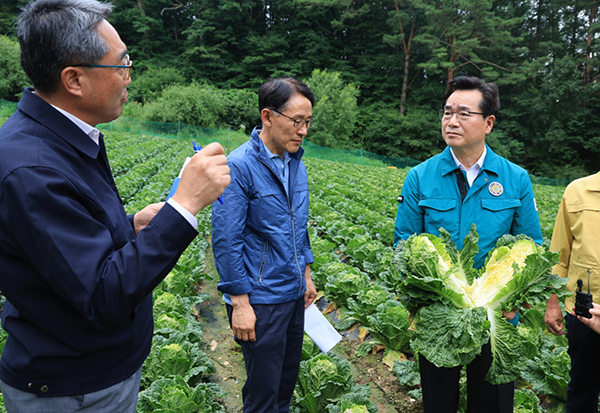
126,66
463,115
299,123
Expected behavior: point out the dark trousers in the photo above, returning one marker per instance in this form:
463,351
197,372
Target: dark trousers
584,386
273,360
441,387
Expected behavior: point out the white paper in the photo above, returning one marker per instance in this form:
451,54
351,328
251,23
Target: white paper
320,329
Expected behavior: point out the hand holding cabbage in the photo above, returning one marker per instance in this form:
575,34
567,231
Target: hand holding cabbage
458,309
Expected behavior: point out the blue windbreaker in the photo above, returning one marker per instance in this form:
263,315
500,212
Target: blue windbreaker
501,201
260,237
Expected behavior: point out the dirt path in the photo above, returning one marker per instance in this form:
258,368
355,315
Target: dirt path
226,354
218,343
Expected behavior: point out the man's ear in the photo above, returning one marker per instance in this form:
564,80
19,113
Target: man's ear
267,117
72,79
489,123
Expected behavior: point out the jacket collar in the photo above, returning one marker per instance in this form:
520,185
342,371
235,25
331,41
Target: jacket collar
593,184
258,146
40,110
491,163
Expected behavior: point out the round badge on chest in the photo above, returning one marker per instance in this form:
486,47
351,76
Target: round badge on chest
496,188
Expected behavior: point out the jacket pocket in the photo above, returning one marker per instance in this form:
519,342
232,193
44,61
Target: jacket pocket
586,271
587,219
443,204
263,261
300,203
439,213
496,205
301,187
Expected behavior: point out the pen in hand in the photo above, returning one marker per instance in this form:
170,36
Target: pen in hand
197,148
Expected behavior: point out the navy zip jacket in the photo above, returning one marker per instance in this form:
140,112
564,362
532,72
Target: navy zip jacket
77,279
260,237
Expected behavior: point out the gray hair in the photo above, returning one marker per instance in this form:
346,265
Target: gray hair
57,33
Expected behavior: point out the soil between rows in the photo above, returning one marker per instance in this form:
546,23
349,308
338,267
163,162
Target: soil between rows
218,343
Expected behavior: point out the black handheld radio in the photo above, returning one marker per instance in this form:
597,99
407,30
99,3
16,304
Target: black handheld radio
583,301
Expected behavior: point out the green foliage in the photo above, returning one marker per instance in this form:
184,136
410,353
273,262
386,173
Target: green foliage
355,401
415,135
6,110
526,401
309,348
195,104
456,337
343,282
548,371
165,302
364,305
242,110
389,328
175,356
12,76
8,16
407,372
321,381
335,109
174,395
204,105
149,84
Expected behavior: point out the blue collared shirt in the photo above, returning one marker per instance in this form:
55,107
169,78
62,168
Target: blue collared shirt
280,166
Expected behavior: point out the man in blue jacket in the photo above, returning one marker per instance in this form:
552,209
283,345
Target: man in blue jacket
467,183
261,245
77,272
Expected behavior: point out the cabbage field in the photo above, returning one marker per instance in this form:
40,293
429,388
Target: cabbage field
353,209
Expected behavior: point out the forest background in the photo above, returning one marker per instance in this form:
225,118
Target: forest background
378,68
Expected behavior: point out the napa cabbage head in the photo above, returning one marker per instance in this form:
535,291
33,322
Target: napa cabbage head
433,269
457,314
517,271
504,263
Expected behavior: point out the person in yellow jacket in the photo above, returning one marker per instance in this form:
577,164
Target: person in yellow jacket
576,237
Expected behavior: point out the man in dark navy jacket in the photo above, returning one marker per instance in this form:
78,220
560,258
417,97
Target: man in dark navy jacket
77,272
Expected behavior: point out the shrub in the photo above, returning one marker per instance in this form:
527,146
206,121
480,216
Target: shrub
335,109
12,76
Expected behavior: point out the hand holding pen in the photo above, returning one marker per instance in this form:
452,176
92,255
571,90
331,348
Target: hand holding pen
198,148
203,179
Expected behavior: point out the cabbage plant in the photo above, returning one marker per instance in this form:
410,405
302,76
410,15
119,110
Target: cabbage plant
174,395
458,309
321,381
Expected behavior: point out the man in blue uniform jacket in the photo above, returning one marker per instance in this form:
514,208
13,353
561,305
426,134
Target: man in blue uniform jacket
261,246
77,272
467,183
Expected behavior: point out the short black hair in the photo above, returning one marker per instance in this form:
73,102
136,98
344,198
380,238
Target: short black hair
275,93
490,102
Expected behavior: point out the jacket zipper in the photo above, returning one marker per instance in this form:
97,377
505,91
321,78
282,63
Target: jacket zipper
295,250
263,262
287,197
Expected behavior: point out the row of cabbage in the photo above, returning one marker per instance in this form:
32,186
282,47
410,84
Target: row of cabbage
176,374
352,220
